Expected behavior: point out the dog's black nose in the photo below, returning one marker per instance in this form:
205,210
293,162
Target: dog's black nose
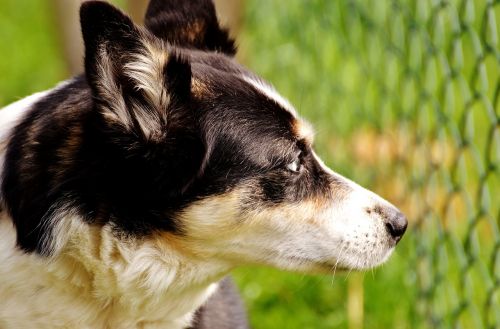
396,223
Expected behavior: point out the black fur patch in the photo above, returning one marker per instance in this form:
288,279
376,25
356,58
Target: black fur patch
190,24
64,155
178,77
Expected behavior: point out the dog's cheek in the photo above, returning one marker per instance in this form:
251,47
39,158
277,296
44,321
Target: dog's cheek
211,219
286,235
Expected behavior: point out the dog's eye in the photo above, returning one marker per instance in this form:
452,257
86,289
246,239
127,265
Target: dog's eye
294,166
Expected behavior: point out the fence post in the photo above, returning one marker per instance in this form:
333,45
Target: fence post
137,9
230,13
355,301
68,26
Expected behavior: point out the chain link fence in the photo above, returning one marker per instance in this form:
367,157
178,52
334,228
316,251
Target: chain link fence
405,95
432,69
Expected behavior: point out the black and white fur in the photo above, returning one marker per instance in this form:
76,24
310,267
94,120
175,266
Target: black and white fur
129,192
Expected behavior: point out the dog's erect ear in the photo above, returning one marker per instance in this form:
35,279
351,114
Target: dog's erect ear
133,76
189,23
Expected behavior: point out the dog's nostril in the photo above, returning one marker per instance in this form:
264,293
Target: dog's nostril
396,224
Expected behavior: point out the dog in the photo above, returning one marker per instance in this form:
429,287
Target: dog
130,192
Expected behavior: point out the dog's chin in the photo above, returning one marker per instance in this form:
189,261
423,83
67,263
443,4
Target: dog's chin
362,262
334,266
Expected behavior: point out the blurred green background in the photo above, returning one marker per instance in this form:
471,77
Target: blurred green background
404,98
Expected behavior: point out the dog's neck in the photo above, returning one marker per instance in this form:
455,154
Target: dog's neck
98,280
155,276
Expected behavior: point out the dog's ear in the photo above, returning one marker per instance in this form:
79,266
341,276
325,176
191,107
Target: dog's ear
133,76
189,23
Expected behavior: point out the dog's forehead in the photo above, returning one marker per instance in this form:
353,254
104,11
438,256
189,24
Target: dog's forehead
244,92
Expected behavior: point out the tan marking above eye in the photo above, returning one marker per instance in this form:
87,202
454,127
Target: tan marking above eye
304,130
194,30
199,88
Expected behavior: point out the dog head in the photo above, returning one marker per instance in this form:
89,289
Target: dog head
231,165
196,150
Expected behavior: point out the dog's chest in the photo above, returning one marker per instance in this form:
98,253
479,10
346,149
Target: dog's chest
64,294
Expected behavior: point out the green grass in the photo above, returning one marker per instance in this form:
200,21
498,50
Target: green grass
30,55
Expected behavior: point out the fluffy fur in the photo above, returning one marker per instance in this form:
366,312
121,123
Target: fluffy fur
130,192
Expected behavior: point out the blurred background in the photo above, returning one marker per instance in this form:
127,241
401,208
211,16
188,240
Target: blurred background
404,95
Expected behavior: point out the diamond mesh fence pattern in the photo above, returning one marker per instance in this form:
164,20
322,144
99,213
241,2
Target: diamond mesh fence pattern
405,95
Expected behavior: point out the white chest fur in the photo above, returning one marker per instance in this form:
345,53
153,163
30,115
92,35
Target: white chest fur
101,284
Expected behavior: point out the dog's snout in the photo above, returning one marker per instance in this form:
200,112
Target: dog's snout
395,223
